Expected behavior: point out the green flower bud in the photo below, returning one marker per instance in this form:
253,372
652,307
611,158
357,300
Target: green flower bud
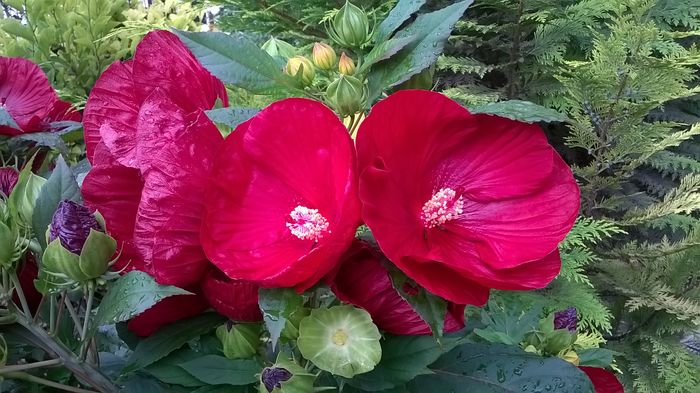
558,341
22,199
420,81
324,56
341,340
346,66
278,48
350,27
240,341
285,376
347,95
301,68
9,252
93,261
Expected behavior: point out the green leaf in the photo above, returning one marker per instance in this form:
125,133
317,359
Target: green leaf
218,370
384,51
15,28
525,111
496,368
60,186
277,306
403,358
168,370
47,139
132,294
431,31
397,16
236,60
6,119
507,323
230,116
596,357
431,308
170,338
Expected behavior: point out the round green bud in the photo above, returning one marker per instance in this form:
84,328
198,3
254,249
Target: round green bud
346,66
239,341
350,27
301,68
93,261
420,81
324,56
347,95
341,340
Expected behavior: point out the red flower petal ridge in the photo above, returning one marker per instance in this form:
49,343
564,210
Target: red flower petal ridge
462,202
363,281
237,300
282,206
29,99
167,311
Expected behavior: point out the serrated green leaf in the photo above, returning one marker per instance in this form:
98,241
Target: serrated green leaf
231,116
6,119
525,111
403,358
61,185
168,370
431,308
132,294
397,16
496,368
277,305
236,60
431,31
169,338
218,370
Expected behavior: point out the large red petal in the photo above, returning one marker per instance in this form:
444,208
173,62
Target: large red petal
163,61
294,153
603,380
62,111
25,92
175,152
364,282
168,310
110,114
237,300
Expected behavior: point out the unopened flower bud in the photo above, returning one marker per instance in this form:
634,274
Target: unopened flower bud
10,249
350,27
345,65
301,68
324,56
71,224
347,95
22,198
285,376
8,179
420,81
278,48
566,319
239,341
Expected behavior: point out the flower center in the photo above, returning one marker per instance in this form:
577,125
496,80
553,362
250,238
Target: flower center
442,207
307,223
340,337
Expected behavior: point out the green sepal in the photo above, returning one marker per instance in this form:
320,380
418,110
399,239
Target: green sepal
97,251
23,197
59,261
239,341
8,239
301,381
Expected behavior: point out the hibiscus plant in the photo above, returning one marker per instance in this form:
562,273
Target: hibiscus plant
330,241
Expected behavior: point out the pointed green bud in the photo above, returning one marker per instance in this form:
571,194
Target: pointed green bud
324,56
92,262
23,197
347,95
239,341
278,48
350,27
341,340
285,376
301,68
420,81
345,65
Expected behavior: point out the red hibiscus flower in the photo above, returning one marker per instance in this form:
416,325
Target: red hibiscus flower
238,300
29,99
363,281
151,147
603,380
283,206
461,202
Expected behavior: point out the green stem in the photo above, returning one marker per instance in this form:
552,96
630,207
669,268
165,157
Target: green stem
52,315
71,311
20,294
86,323
32,378
29,366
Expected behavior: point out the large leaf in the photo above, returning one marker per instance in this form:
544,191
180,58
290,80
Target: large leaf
431,308
431,31
168,369
277,305
132,294
403,358
218,370
526,111
231,116
60,186
596,357
496,368
384,51
236,60
398,15
170,338
6,119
